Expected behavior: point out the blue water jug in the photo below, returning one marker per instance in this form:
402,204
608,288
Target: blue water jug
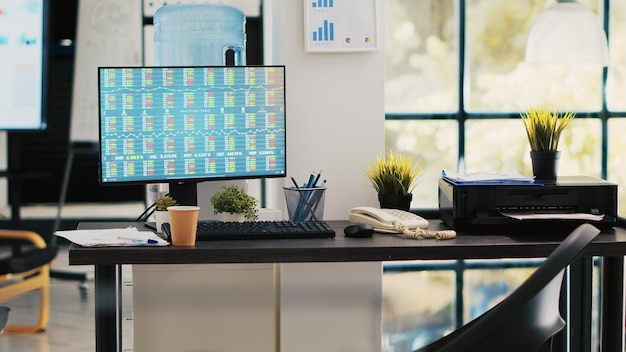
199,35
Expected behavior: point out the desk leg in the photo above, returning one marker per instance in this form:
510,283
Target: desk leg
580,292
107,303
612,317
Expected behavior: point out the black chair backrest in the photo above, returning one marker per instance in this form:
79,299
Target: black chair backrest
530,315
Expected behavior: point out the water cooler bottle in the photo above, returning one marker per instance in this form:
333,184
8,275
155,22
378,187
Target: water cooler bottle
199,34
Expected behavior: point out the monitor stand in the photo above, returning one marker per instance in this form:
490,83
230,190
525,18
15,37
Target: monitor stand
185,193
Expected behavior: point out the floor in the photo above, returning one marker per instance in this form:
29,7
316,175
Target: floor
71,327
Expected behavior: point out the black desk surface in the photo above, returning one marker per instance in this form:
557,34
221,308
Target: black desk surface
382,247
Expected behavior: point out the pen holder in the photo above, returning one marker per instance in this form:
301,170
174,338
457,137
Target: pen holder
305,204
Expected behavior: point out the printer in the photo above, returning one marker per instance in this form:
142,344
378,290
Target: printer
571,200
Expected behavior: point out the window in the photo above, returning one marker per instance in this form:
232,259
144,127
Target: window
456,82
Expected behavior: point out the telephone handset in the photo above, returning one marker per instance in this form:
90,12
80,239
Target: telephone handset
382,219
397,221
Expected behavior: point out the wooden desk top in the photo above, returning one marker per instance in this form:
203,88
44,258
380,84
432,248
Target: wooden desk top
381,247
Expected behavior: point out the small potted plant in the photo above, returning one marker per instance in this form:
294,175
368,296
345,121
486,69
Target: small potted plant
543,128
160,214
235,204
394,177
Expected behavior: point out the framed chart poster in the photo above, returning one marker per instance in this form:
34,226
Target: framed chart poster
340,26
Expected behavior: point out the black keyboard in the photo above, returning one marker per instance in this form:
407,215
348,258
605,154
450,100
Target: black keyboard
258,230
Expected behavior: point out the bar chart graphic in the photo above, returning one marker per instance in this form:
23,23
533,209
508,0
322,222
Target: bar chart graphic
322,3
326,32
340,25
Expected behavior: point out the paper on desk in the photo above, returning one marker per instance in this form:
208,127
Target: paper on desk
554,216
487,178
121,237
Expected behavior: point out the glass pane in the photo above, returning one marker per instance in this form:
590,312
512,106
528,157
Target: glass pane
411,319
496,146
502,146
581,146
487,287
616,84
435,142
499,79
421,56
617,160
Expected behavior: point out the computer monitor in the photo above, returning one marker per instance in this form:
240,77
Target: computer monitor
23,64
184,125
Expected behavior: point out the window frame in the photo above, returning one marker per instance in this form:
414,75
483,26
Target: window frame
462,116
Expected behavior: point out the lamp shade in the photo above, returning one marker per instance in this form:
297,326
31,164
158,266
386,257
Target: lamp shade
567,33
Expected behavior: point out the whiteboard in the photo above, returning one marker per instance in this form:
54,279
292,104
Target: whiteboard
109,33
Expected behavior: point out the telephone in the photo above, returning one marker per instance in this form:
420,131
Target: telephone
382,219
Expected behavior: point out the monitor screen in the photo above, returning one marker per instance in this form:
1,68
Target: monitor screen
23,62
191,124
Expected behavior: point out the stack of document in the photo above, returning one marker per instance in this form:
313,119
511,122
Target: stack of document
486,178
120,237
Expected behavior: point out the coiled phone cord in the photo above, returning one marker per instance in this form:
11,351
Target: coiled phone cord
422,233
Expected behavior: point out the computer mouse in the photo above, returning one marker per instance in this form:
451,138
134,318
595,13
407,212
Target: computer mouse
359,230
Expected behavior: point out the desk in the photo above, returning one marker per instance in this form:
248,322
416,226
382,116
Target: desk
610,245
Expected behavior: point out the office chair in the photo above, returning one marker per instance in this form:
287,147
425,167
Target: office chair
26,270
527,319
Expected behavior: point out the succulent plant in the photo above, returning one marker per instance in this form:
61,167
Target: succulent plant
234,199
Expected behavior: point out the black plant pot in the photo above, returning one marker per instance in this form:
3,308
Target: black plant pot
395,201
545,165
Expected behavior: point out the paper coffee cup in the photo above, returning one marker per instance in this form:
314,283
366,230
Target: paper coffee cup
183,224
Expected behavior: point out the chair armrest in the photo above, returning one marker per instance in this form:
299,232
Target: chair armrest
30,236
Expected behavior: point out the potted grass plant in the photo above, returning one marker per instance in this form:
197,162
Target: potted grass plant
394,177
543,129
235,204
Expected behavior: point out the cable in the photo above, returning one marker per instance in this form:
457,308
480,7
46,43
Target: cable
422,233
146,213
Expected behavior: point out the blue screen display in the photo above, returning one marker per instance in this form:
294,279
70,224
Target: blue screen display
165,124
23,64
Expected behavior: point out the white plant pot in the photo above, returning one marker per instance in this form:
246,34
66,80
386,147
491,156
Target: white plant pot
233,217
161,218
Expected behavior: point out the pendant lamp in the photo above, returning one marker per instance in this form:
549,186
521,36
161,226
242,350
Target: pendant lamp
567,33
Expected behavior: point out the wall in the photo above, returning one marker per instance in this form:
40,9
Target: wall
335,118
335,111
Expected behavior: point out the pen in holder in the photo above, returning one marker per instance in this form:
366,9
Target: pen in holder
304,204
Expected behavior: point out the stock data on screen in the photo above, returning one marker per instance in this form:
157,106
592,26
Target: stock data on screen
159,124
